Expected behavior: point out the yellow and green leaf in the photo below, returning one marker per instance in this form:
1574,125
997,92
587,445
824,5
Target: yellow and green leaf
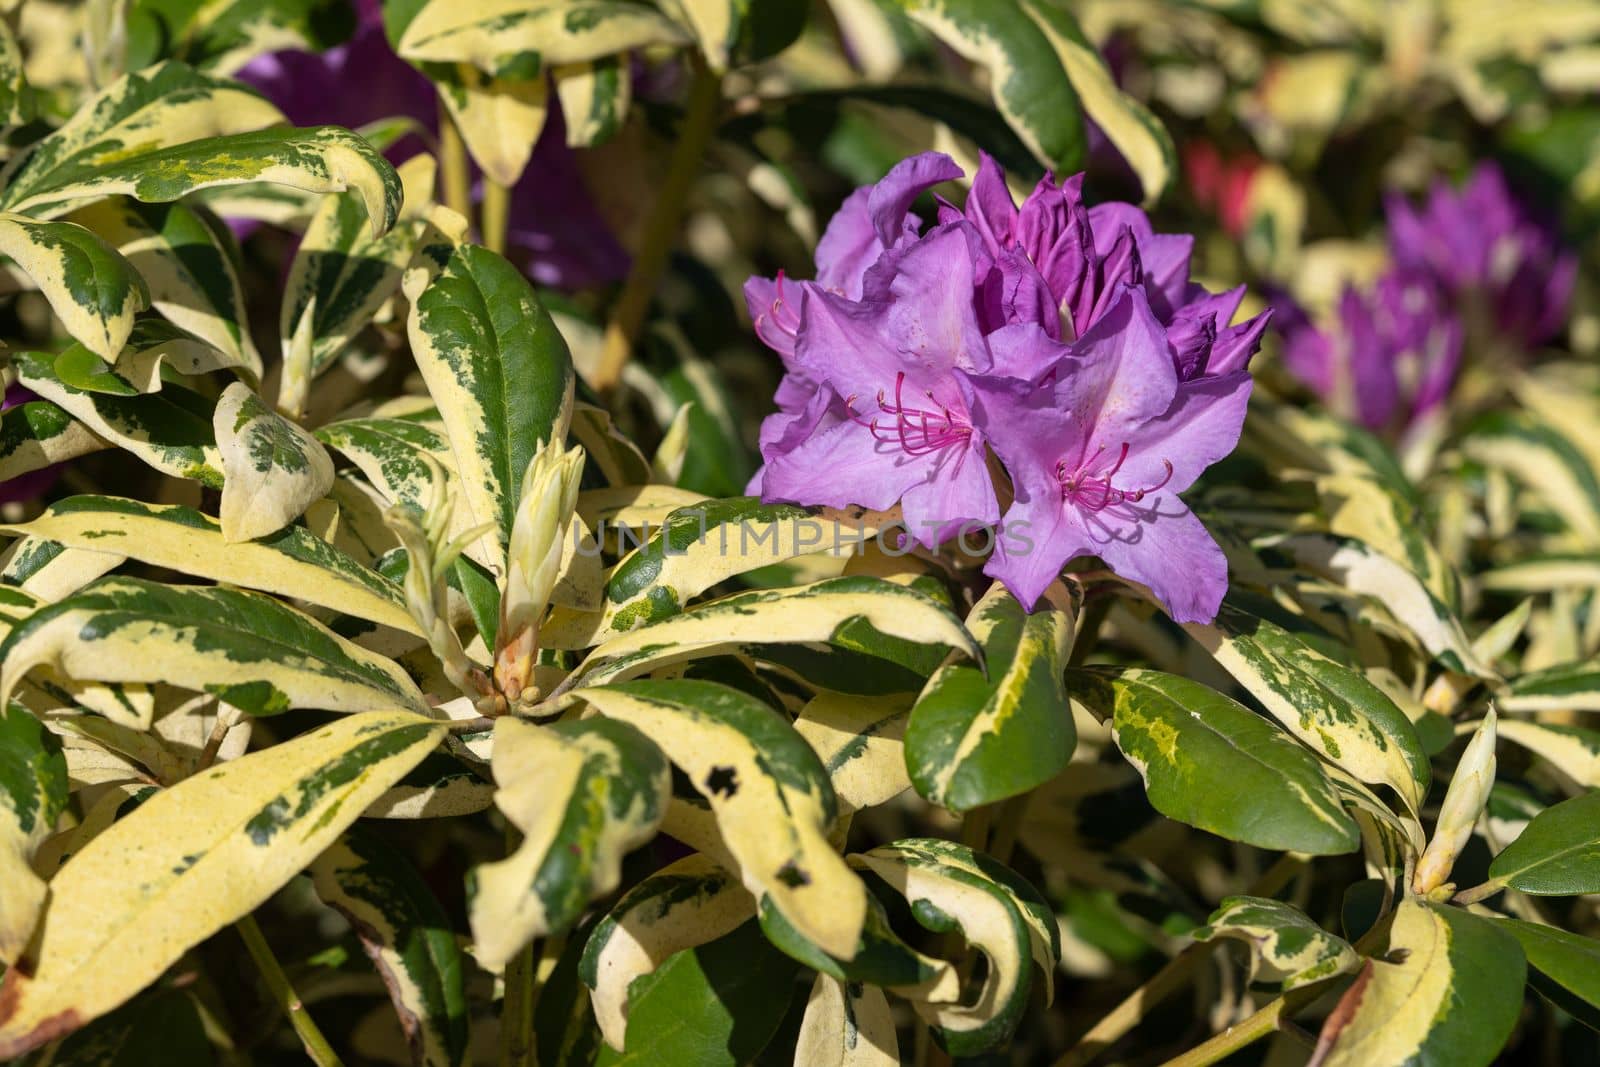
272,469
33,794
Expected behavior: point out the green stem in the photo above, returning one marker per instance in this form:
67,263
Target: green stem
661,230
453,161
1235,1037
516,1010
317,1047
495,212
1169,979
1479,892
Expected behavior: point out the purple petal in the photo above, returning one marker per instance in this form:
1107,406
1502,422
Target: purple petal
957,496
1119,377
1235,345
1170,551
892,197
989,207
1033,543
774,312
844,465
1025,351
848,246
1201,428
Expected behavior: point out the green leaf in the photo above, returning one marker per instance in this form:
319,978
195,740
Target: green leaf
169,430
222,35
1333,709
1025,55
767,791
498,371
716,1005
1546,462
316,159
688,903
1451,1001
154,345
37,434
186,257
192,859
16,95
163,1027
594,98
33,794
250,650
1565,966
1558,853
408,937
292,562
881,959
975,738
1285,945
1213,764
272,469
584,794
91,288
167,104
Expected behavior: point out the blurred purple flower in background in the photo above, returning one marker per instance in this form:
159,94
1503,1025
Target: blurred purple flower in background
554,232
1481,244
1471,267
1068,339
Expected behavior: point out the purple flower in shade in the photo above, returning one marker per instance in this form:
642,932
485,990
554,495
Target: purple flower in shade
1482,245
892,416
1389,357
1099,457
24,486
554,231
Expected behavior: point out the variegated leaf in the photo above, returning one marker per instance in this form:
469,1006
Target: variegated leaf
1540,457
594,99
1566,687
1285,945
33,794
1361,569
441,786
692,549
584,794
16,95
252,651
342,274
1333,709
1211,763
316,159
691,902
37,434
1026,65
956,896
153,346
92,289
272,469
846,1025
293,562
518,37
170,430
1450,998
1543,573
851,612
977,736
499,374
1574,751
408,937
192,859
167,104
500,119
769,794
1130,126
186,257
881,959
50,570
222,35
860,741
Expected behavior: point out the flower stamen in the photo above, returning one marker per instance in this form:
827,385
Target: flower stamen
918,431
1091,489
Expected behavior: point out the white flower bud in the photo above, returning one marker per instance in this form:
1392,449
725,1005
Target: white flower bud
1463,803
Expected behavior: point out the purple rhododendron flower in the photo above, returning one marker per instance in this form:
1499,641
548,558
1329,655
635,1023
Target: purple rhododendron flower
1066,340
1390,355
554,231
1481,244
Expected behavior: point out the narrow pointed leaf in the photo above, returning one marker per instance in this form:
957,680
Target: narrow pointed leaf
1285,945
192,859
33,794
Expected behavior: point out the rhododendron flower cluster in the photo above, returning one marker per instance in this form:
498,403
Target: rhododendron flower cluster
1467,265
1065,341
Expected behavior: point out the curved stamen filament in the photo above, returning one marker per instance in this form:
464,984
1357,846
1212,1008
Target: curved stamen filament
1093,491
918,431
